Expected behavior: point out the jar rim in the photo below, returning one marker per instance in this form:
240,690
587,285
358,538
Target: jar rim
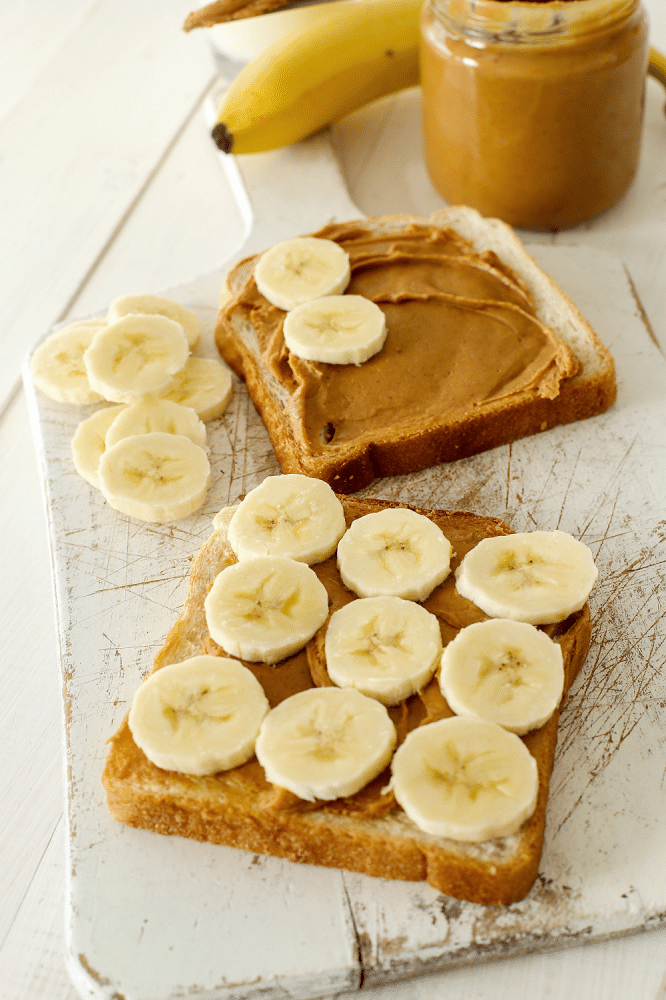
546,21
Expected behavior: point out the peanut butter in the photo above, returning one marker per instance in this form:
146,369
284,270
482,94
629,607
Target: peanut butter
532,112
462,336
308,668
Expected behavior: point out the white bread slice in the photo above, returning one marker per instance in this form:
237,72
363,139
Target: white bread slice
240,809
403,443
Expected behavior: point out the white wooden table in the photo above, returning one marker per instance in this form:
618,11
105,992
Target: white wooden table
109,183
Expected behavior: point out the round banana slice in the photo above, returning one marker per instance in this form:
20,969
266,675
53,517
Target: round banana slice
301,269
466,779
394,552
265,609
155,477
505,671
385,647
337,329
205,385
290,515
540,577
157,306
325,743
136,357
57,366
199,716
89,442
158,415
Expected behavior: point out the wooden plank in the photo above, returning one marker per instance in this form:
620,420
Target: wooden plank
31,750
31,957
186,223
34,41
79,148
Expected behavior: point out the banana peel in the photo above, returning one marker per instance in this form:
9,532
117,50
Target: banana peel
657,66
356,52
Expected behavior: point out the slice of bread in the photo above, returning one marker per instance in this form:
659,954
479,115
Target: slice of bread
421,400
367,832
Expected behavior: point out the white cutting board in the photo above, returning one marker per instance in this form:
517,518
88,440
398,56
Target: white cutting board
154,918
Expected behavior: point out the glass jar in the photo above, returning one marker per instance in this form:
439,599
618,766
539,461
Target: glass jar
532,111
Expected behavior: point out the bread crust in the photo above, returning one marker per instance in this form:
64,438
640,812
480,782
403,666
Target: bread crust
395,449
239,808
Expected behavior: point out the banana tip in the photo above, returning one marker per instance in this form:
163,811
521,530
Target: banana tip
224,140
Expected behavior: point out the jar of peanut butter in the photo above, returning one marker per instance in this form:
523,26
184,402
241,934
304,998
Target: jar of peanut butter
532,109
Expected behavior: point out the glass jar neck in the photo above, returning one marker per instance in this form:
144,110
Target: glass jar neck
526,21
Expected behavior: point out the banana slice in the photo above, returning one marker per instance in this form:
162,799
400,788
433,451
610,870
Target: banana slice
325,743
155,477
158,415
538,577
205,385
337,329
466,779
265,609
57,366
89,442
505,671
155,305
136,357
385,647
301,269
394,552
199,716
290,515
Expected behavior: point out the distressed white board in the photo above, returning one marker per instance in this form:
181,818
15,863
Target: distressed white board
154,918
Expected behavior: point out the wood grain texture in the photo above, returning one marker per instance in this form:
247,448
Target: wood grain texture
127,580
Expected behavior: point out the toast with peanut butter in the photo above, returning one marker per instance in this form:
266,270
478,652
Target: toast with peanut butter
367,831
482,348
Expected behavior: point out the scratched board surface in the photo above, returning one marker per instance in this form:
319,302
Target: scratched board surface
151,918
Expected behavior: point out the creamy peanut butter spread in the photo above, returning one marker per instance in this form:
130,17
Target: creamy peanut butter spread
308,668
462,336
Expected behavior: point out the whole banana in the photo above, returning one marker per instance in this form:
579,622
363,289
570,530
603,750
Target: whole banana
355,53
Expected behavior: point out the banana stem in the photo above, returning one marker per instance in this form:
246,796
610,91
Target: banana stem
222,137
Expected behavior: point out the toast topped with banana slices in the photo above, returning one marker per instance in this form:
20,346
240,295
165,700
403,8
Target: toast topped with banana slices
339,690
387,345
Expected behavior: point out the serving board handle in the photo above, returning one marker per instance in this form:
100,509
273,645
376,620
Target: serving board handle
285,192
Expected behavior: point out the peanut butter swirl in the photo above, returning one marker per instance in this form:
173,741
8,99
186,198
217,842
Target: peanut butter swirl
462,336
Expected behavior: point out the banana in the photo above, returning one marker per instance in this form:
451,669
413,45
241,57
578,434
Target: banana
325,743
394,552
156,305
505,671
265,609
466,779
199,716
89,442
301,269
135,357
205,385
289,515
317,75
385,647
540,577
159,415
57,366
155,477
337,329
